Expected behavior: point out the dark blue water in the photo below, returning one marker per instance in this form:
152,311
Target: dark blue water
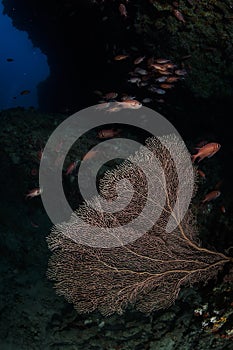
22,66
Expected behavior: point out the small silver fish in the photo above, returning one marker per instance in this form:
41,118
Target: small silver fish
156,90
140,71
161,79
134,80
143,83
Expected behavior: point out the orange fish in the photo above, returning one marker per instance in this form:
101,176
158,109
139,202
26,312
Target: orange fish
158,66
164,72
134,104
131,104
170,65
166,86
34,193
172,79
108,133
122,10
211,196
207,150
120,57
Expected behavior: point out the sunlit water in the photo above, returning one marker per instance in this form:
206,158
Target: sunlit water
26,68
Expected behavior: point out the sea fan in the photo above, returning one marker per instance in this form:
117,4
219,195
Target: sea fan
146,269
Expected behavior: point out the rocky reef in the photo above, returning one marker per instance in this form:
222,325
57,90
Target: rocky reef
79,40
202,38
33,316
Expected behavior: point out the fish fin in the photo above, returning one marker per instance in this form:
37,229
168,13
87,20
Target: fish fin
193,158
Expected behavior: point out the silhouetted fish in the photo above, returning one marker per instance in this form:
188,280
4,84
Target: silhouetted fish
25,92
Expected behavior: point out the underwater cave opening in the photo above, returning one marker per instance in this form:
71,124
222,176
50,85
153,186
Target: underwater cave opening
22,66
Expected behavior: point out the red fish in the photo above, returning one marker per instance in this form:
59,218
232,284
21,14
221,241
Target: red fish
71,168
211,196
134,104
108,133
207,150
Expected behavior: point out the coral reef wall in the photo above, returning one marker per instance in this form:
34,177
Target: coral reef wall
78,37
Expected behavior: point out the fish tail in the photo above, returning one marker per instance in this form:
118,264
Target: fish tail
193,157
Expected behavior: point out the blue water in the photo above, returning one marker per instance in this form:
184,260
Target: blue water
28,68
